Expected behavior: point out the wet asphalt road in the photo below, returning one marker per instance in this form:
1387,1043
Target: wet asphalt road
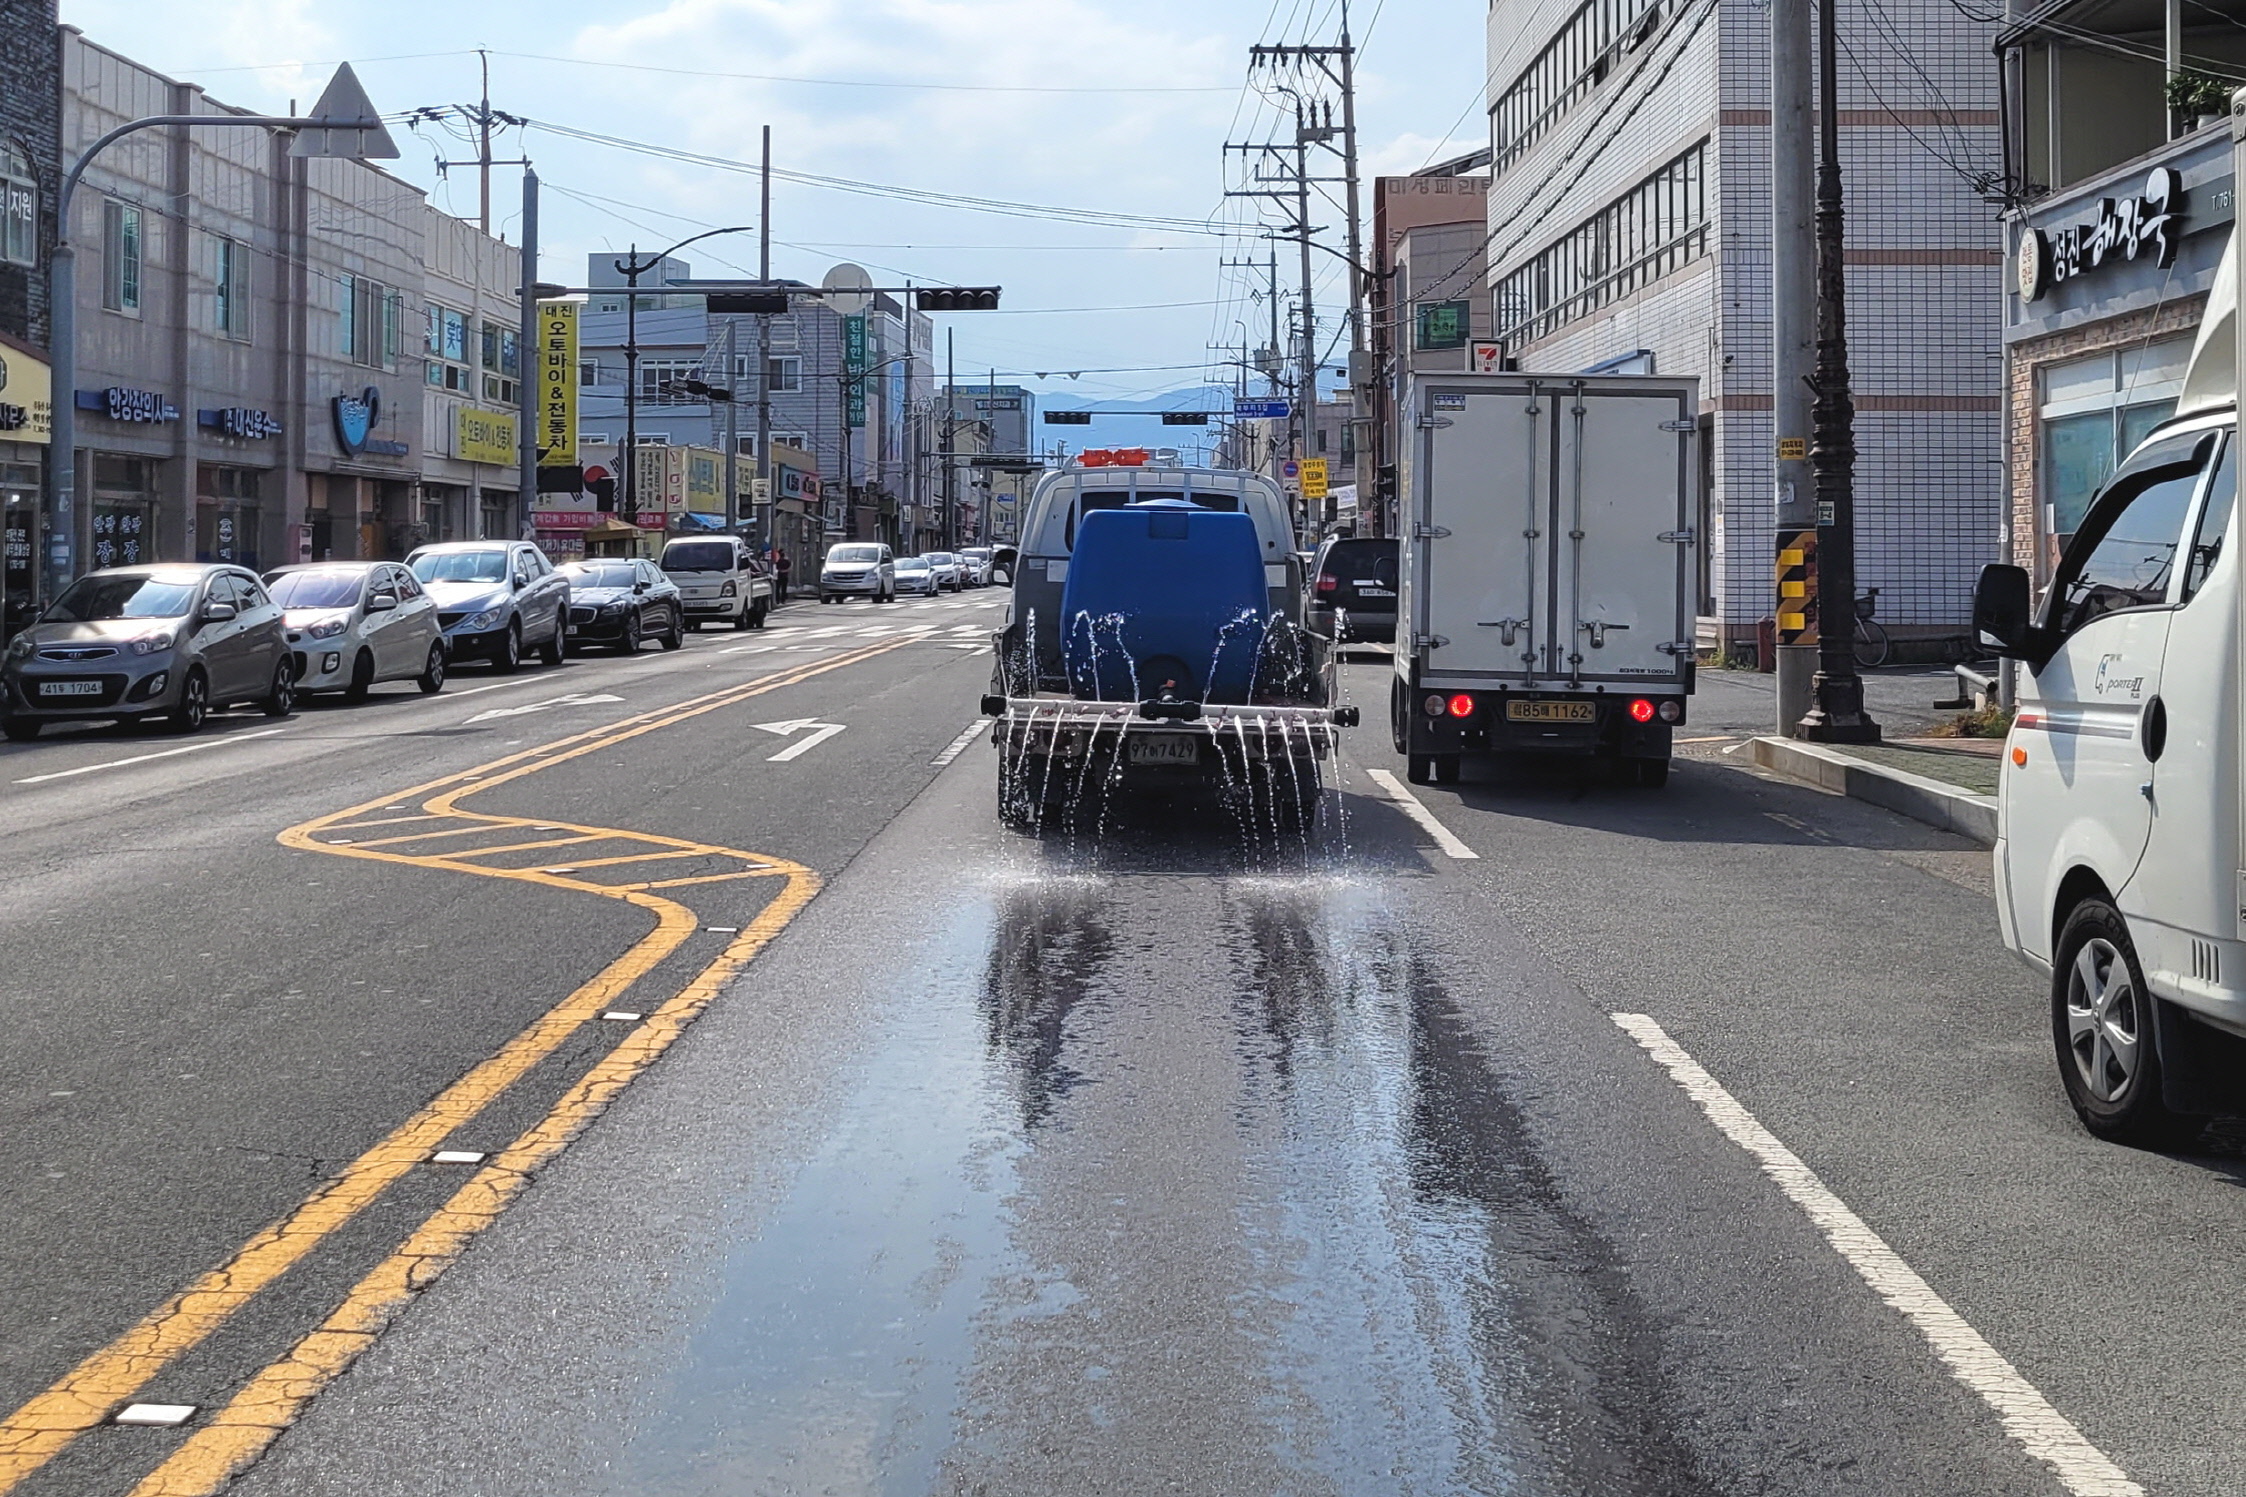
1196,1157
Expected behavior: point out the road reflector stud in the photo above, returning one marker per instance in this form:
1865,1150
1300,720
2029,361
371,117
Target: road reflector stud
723,930
2019,757
457,1156
155,1415
622,1017
557,870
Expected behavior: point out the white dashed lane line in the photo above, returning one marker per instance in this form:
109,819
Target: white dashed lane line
1446,839
958,745
2027,1416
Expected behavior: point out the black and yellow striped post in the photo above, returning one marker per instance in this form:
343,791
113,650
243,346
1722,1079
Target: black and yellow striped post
1797,587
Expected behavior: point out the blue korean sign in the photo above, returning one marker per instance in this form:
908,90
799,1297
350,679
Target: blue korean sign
1262,410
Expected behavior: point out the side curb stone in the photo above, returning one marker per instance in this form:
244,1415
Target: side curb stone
1915,796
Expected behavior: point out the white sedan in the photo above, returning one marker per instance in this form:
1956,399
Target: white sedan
915,575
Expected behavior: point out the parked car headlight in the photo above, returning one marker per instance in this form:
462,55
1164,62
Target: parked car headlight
150,644
327,628
475,623
22,647
611,607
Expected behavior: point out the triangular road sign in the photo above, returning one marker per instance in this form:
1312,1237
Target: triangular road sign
344,99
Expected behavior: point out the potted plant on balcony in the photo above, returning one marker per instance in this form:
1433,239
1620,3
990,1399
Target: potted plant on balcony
2199,98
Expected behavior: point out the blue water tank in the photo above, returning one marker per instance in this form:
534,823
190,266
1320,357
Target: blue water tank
1160,595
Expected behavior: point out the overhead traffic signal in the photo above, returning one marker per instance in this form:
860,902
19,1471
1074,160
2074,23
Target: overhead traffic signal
1068,418
957,299
748,303
1185,418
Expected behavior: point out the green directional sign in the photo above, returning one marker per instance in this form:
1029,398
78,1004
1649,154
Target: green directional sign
854,365
1441,324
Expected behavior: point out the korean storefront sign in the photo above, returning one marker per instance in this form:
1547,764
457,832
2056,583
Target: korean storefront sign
2146,226
854,365
557,384
484,437
27,402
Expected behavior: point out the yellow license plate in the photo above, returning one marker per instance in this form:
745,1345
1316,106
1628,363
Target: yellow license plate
1551,712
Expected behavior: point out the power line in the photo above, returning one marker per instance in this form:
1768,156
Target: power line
960,88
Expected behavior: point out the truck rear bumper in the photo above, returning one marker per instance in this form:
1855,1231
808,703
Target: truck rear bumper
1543,722
1186,741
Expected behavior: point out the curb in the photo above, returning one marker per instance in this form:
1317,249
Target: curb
1946,806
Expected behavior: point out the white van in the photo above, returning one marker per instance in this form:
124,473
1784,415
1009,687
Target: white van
2120,870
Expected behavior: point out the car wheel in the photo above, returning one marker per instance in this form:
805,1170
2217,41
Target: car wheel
362,677
194,704
510,656
2102,1027
675,639
280,701
627,643
432,677
20,729
556,648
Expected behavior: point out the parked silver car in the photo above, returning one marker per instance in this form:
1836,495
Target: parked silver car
947,570
915,575
353,623
495,599
129,643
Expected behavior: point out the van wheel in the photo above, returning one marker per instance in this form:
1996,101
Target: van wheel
362,678
2102,1026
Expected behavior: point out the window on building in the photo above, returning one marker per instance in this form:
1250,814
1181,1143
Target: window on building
373,319
656,374
502,362
230,286
445,351
120,257
19,208
588,373
800,441
2094,412
782,332
1658,226
745,446
786,375
1576,60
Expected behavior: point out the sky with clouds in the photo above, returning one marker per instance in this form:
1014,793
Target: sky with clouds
1114,106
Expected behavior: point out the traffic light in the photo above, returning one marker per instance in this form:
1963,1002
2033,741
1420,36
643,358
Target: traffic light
748,303
957,299
1068,418
1185,418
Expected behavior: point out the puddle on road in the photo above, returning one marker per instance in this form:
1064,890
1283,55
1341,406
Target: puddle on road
1167,1184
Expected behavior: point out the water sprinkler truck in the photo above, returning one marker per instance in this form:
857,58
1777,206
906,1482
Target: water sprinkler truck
1153,640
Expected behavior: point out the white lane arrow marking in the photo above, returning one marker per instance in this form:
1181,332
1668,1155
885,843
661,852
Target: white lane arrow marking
574,699
820,733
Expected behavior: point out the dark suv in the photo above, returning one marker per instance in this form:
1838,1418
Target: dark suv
1354,582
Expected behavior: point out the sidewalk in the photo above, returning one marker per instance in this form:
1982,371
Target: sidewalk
1946,782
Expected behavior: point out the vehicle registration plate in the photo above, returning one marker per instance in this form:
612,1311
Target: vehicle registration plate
1165,748
70,688
1373,590
1551,712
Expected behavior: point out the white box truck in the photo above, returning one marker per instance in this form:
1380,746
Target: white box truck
1548,558
2120,856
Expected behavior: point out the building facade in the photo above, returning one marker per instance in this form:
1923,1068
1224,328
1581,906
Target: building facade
2129,203
1629,217
262,374
30,172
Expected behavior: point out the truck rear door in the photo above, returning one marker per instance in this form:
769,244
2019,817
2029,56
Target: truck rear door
1551,547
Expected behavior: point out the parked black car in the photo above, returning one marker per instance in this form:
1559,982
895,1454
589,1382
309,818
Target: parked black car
1353,581
621,601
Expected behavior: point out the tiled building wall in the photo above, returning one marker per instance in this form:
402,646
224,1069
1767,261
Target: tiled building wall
31,118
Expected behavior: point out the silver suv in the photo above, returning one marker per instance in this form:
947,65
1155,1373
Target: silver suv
130,643
858,568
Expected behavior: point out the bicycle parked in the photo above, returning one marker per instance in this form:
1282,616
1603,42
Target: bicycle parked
1870,643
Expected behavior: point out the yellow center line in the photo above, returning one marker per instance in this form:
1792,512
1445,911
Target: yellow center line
577,841
47,1424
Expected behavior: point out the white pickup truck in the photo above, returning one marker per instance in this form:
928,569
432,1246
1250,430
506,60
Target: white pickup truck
2120,862
1546,601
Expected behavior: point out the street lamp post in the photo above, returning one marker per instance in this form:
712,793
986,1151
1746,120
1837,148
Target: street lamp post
1836,713
631,267
343,110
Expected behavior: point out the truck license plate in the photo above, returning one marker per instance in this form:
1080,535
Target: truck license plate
70,688
1165,748
1551,712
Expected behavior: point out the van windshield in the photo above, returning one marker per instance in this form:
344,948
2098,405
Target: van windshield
699,556
855,553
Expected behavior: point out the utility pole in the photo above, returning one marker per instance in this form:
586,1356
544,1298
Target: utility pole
1837,693
528,367
631,269
732,437
1307,368
1794,330
764,351
483,151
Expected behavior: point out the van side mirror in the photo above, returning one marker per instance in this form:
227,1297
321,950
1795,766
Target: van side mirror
2001,610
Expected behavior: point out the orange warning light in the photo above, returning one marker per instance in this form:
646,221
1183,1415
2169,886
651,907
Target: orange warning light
2019,757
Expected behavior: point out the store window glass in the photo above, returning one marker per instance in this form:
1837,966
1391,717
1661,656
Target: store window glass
2095,411
19,208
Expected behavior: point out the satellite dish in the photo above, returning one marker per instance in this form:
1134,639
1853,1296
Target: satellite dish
846,286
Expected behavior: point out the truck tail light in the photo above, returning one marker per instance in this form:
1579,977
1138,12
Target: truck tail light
1641,710
1461,705
1434,704
1672,710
